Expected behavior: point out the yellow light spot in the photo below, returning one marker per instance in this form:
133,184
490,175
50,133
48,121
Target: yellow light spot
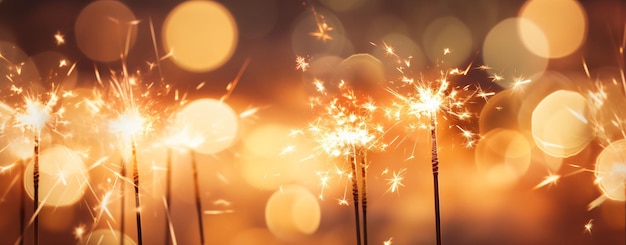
202,35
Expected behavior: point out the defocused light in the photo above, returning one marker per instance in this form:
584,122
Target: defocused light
107,236
292,212
342,6
563,22
258,143
202,35
57,70
503,155
505,53
404,47
323,66
448,33
208,126
63,177
610,170
105,30
17,72
319,33
267,165
500,111
362,72
559,124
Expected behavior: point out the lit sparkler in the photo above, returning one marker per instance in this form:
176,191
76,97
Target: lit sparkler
345,128
33,117
426,99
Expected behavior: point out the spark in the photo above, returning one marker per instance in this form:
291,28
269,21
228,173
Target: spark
6,168
495,77
200,85
586,68
518,82
218,211
446,51
551,179
484,67
287,149
59,38
301,63
79,232
249,113
343,202
323,29
589,226
388,241
395,182
389,50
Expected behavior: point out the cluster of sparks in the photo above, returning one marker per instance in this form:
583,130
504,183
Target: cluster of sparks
346,121
345,125
121,99
431,96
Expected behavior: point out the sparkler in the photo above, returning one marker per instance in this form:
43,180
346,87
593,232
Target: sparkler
34,117
427,98
345,128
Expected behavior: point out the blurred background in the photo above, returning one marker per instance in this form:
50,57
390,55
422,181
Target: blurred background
547,166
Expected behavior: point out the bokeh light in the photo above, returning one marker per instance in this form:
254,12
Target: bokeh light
448,33
105,30
503,156
207,126
107,237
342,6
362,72
292,212
202,35
610,170
63,177
17,69
507,55
560,124
261,168
500,111
562,22
56,70
319,33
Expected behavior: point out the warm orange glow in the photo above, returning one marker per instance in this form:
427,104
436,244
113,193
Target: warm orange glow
202,35
562,22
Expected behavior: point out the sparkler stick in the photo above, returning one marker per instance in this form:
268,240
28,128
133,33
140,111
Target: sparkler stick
364,192
34,117
168,194
435,165
37,139
352,159
197,192
123,201
136,184
22,203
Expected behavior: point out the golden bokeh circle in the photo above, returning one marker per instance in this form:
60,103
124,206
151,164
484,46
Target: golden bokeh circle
63,177
610,170
562,22
292,212
560,124
202,35
208,126
105,30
